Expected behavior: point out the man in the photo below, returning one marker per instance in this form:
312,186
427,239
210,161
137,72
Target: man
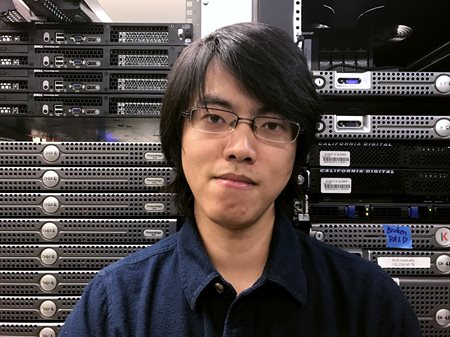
237,121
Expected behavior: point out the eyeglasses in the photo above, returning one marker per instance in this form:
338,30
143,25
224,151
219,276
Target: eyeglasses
212,120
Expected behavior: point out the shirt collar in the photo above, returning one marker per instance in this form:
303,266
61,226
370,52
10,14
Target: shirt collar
283,267
196,268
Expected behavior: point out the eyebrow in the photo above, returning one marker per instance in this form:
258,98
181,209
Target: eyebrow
216,100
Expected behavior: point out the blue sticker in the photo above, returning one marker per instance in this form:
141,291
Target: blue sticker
398,236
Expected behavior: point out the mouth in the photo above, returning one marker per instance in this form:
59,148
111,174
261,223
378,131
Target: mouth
236,179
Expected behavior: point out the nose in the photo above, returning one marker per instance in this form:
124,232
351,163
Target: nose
241,145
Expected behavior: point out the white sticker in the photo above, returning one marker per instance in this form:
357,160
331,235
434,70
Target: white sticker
404,262
335,185
334,158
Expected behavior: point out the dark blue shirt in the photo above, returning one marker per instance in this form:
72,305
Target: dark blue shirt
307,289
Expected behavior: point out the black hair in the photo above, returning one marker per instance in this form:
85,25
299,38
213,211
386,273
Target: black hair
269,66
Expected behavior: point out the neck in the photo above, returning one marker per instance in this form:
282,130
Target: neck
239,254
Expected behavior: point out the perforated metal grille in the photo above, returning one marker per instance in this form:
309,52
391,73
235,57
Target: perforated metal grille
73,76
138,82
67,100
84,153
88,204
427,298
370,235
125,154
401,127
31,308
428,330
29,283
84,179
35,276
84,257
72,52
385,84
87,230
26,329
18,146
138,35
140,58
135,106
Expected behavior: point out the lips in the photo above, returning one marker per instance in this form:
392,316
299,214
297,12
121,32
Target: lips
237,178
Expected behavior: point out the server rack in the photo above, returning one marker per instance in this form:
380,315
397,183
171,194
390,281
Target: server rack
89,189
380,153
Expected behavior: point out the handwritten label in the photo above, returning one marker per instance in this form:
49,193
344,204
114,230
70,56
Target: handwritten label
398,236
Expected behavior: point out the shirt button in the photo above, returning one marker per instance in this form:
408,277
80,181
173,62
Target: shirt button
219,287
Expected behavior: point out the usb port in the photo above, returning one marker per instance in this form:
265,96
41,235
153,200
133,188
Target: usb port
58,109
59,37
59,61
59,85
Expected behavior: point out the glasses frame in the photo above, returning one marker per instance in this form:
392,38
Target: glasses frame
190,112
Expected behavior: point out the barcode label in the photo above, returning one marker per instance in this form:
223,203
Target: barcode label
334,158
335,185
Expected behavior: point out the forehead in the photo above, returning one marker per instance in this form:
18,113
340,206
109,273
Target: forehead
221,87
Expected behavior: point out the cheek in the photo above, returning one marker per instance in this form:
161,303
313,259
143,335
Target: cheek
282,162
195,155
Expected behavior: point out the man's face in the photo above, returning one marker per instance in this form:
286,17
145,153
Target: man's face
235,177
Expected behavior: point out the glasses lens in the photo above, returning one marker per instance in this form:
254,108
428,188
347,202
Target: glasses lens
276,130
213,120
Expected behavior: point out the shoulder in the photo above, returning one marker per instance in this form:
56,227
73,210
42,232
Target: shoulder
336,263
122,289
143,261
360,288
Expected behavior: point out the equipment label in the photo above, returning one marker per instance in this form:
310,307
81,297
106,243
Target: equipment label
334,158
153,156
442,236
404,262
153,233
154,181
154,207
335,185
398,236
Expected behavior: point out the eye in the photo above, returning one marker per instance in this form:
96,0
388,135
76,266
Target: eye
213,118
273,125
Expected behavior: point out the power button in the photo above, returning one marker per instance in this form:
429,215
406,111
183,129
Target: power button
319,82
